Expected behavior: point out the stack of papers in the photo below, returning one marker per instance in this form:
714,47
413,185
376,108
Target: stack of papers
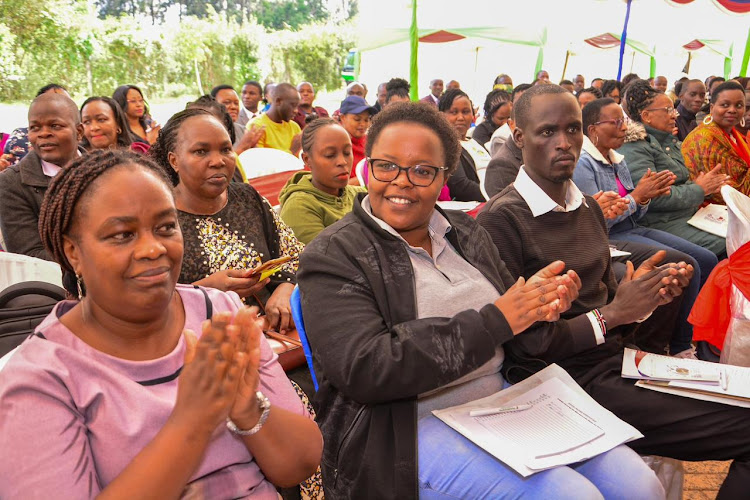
543,422
727,384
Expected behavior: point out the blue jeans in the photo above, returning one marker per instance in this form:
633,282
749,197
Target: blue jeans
705,259
452,467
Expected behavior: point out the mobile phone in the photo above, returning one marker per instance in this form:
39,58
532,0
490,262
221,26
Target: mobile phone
270,267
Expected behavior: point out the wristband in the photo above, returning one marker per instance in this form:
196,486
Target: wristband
265,406
599,324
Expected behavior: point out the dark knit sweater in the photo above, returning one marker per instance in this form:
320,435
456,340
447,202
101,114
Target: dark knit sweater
527,244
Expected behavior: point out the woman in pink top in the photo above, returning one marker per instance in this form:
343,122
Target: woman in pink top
114,395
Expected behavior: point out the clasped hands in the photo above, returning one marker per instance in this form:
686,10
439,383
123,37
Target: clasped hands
542,297
220,376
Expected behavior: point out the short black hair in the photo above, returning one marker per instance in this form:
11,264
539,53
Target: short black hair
219,88
124,138
63,100
596,80
48,87
566,82
629,78
521,87
253,83
638,96
591,90
593,111
730,85
396,87
523,106
714,80
446,100
419,114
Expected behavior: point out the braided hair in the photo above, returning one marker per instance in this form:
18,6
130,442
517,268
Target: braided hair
493,101
217,109
311,130
450,95
62,202
167,141
639,95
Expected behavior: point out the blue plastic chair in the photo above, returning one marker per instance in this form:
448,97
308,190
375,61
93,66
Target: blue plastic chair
299,322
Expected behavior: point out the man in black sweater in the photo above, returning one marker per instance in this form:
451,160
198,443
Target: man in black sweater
543,217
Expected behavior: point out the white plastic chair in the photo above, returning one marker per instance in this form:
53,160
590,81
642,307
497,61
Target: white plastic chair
258,162
736,350
359,170
17,268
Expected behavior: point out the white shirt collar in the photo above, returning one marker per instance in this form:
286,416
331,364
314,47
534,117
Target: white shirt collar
539,202
437,227
614,156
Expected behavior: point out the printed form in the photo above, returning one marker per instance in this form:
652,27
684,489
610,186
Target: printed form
560,424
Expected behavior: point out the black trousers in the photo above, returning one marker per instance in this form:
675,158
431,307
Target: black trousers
675,426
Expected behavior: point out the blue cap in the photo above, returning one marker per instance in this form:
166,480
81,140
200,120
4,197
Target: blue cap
354,105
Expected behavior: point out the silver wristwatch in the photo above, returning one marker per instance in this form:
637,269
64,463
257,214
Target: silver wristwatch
265,407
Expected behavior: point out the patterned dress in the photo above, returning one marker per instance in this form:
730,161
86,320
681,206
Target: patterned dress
242,235
17,145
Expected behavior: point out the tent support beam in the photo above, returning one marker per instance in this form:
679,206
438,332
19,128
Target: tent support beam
746,56
624,39
414,60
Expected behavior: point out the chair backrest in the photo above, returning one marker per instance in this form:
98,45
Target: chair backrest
270,186
23,307
300,324
359,170
17,268
258,162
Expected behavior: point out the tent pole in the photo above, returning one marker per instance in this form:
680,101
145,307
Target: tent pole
413,60
746,57
728,62
623,39
565,66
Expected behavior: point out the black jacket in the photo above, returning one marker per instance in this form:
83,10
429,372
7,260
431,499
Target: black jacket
22,188
503,168
464,182
372,356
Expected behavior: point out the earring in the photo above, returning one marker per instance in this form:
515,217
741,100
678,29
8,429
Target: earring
79,282
596,140
708,119
119,131
742,121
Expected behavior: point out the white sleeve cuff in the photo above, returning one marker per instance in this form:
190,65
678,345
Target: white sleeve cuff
597,326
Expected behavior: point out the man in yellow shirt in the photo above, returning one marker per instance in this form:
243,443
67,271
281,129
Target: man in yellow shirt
280,131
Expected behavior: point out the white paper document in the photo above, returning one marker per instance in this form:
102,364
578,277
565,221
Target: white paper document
689,378
563,425
464,206
712,218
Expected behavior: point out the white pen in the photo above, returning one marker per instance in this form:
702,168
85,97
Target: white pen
723,380
495,411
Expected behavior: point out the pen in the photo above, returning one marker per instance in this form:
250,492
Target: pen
723,380
495,411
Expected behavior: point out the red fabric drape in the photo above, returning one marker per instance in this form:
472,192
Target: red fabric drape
711,315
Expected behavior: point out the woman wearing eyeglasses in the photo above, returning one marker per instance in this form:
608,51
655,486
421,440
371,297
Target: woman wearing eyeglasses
718,142
428,305
601,169
650,146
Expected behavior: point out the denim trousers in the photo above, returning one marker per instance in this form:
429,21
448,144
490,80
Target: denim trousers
452,467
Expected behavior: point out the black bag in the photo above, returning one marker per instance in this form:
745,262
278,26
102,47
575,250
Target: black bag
23,306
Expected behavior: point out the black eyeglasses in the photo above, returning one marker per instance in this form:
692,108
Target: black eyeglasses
387,171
